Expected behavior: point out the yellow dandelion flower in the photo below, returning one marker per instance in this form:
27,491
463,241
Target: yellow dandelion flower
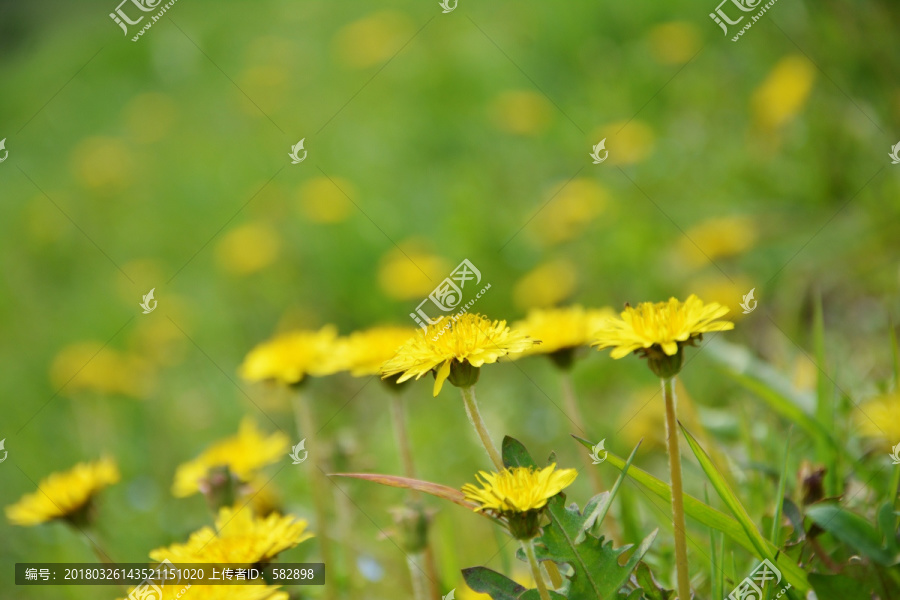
208,592
518,494
628,142
468,341
244,454
879,418
562,329
290,357
65,495
549,283
326,199
575,205
659,330
411,273
717,237
363,352
248,248
239,537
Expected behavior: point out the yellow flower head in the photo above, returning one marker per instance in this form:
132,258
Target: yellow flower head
561,329
879,419
239,537
469,341
244,454
63,495
91,367
209,592
666,325
290,357
518,494
363,352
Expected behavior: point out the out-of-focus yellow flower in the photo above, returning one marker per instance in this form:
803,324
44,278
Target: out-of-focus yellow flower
661,325
627,146
324,200
264,498
363,352
879,418
149,117
805,374
674,43
717,237
784,93
210,592
239,537
562,329
289,357
549,283
716,288
248,248
244,454
411,273
521,112
103,164
91,367
372,40
469,340
571,211
64,495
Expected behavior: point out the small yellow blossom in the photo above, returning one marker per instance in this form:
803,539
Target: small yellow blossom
470,340
574,207
879,418
562,329
363,352
94,367
674,43
239,537
411,272
546,285
209,592
244,454
64,495
518,489
784,93
717,237
522,112
327,199
248,248
374,39
289,357
628,142
666,325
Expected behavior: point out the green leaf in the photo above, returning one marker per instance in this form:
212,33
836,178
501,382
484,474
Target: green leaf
607,500
826,452
838,587
515,454
779,498
851,529
536,595
887,523
492,583
652,590
595,562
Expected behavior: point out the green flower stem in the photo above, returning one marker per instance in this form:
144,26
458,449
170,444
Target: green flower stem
306,428
528,547
681,563
419,580
468,395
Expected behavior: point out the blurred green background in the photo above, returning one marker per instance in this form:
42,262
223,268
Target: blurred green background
432,138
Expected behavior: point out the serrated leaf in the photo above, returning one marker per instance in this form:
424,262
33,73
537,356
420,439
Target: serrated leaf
492,583
595,562
851,529
704,514
515,454
652,590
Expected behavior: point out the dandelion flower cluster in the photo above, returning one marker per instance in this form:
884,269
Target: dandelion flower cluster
562,330
363,352
468,341
65,495
244,454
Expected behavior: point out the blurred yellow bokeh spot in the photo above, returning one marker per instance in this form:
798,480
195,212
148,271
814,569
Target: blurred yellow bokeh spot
326,200
784,92
411,273
521,112
717,237
627,142
248,248
91,367
103,164
550,283
571,211
372,40
149,117
717,288
674,43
